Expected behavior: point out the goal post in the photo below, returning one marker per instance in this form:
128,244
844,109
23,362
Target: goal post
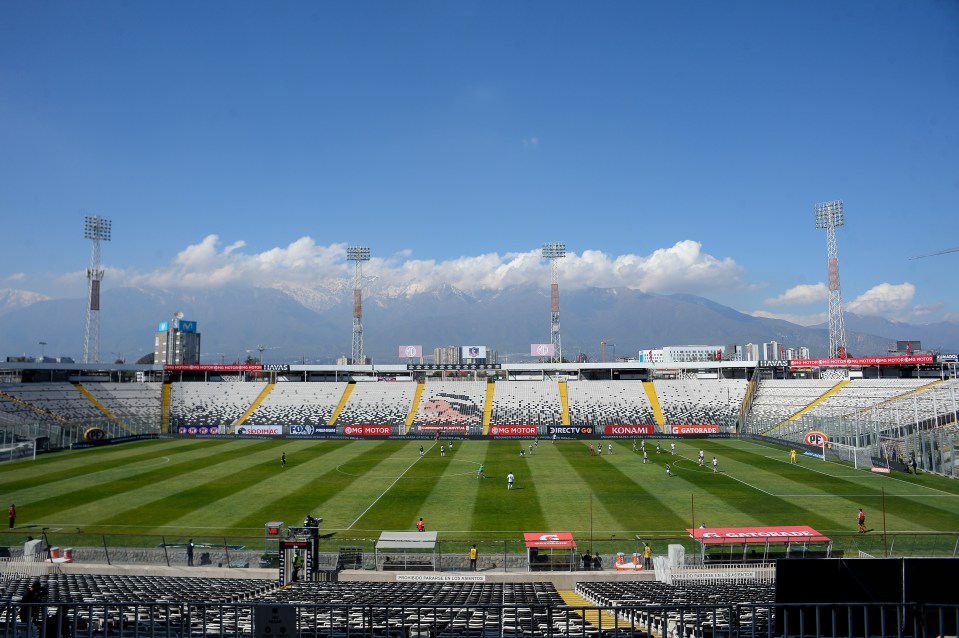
860,457
19,450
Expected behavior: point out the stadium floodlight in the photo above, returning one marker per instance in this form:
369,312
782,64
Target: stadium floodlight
358,254
97,228
829,215
554,250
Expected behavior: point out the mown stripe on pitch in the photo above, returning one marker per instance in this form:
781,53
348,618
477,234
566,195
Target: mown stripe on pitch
90,490
401,507
294,502
497,508
68,465
626,496
448,495
198,496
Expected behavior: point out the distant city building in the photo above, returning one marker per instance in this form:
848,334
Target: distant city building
682,354
751,352
773,350
176,341
456,355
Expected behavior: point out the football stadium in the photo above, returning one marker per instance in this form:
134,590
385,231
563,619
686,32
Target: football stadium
538,499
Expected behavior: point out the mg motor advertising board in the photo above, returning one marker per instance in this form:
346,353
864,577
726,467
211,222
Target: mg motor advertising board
513,430
367,430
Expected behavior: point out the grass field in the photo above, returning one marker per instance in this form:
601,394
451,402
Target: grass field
231,487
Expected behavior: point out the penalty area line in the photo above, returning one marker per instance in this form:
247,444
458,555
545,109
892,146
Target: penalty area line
377,499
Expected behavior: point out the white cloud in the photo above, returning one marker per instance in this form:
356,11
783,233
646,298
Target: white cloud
801,295
17,276
531,142
802,320
683,267
885,300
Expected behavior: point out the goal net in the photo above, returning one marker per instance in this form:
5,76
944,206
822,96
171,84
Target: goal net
18,450
860,457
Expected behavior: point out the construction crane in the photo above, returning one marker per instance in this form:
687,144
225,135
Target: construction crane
940,252
602,349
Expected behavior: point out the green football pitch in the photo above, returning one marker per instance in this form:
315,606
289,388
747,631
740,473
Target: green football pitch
232,487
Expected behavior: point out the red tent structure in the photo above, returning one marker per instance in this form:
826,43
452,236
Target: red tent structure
550,551
760,543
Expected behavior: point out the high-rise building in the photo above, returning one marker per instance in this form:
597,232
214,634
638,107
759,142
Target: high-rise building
176,341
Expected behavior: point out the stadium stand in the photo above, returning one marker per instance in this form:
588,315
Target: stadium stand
219,404
131,403
299,404
707,401
43,402
863,394
457,403
379,403
775,400
601,403
527,403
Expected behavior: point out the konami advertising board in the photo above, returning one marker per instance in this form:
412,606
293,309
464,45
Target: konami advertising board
617,431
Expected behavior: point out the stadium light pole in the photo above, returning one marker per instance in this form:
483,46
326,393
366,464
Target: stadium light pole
829,215
554,251
96,229
357,254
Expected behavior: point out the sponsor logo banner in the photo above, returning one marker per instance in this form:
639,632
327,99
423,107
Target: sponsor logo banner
567,430
212,367
702,428
186,326
367,430
542,350
474,352
513,430
774,363
441,427
549,539
202,430
277,367
259,430
440,578
949,358
862,361
94,435
781,534
312,430
815,438
410,352
426,367
628,430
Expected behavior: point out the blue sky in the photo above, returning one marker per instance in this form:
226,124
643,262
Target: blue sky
674,146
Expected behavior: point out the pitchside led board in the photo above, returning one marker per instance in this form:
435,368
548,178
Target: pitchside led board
473,352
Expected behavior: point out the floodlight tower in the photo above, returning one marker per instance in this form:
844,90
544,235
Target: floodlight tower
554,251
96,229
829,216
358,254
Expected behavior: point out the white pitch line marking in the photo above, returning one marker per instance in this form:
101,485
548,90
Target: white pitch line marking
376,500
